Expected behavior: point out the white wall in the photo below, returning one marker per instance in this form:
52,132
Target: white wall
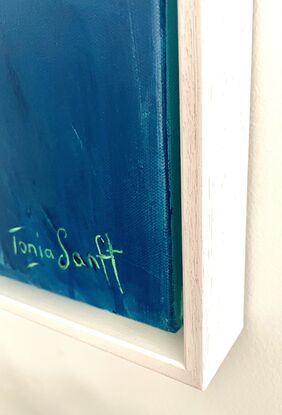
44,373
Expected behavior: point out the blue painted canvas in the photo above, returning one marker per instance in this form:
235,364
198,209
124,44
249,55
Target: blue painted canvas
89,160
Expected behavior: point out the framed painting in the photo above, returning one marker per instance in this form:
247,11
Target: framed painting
123,186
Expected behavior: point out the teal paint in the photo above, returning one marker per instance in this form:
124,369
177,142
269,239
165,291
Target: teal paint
90,164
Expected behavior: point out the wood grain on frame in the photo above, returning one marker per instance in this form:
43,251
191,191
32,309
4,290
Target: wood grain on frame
191,179
215,42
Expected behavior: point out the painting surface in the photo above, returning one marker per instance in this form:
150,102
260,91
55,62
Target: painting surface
89,160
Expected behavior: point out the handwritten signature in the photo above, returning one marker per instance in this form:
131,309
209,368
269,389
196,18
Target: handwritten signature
102,260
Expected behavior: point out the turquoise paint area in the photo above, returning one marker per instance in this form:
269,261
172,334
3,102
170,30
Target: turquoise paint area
89,134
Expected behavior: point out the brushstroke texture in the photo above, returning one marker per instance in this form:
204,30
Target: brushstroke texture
89,133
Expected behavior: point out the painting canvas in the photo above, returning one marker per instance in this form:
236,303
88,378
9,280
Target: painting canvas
89,160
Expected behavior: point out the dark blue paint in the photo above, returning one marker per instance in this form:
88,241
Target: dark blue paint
89,136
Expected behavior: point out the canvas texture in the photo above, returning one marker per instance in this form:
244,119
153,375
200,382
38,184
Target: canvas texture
89,160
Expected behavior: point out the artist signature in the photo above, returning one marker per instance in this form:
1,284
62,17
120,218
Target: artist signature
103,260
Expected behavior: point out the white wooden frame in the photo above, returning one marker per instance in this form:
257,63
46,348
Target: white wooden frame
215,57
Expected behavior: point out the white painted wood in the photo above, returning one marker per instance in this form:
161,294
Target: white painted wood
191,188
140,343
215,67
215,58
226,89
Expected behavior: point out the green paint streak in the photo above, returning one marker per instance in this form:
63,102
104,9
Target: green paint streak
17,229
49,254
78,260
15,248
101,255
93,262
65,256
32,265
111,257
112,253
173,117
